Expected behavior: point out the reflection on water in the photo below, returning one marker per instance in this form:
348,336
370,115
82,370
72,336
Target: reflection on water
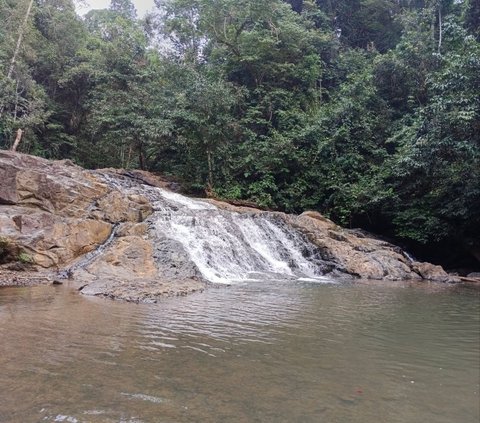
254,352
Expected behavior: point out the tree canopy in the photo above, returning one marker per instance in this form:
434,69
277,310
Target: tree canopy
365,110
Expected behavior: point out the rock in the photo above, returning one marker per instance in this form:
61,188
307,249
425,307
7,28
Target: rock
327,223
128,272
18,266
118,207
431,272
56,211
135,229
8,191
23,278
129,257
34,182
355,252
230,207
145,291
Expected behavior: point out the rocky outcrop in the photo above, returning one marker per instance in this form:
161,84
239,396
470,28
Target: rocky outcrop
53,214
355,252
55,217
362,255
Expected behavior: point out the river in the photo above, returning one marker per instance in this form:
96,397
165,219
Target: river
271,351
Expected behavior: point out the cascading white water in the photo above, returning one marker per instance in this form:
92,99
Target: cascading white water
226,246
222,245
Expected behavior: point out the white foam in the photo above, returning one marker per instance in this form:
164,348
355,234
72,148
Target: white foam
227,246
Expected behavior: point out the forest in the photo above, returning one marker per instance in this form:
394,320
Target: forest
367,111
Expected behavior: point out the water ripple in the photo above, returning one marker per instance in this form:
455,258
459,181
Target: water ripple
259,351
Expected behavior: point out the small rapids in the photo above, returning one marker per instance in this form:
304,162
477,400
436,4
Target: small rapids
89,257
227,246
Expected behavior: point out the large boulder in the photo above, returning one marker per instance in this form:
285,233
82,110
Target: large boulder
55,211
361,254
128,272
53,186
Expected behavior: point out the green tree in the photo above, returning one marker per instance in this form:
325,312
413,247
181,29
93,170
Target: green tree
472,17
200,113
124,8
22,100
436,171
117,125
365,23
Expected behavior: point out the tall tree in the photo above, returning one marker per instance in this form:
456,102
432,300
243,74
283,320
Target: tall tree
124,8
21,33
472,17
22,100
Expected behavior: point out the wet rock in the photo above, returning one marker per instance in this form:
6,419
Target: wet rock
24,278
118,207
19,266
129,257
134,229
361,255
431,272
141,290
59,213
353,252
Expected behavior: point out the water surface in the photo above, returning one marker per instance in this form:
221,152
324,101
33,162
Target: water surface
253,352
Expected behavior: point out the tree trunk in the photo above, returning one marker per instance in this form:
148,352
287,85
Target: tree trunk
210,169
432,27
141,158
439,28
17,49
129,158
21,32
17,140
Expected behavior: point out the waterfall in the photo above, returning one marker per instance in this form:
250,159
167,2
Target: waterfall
227,246
193,237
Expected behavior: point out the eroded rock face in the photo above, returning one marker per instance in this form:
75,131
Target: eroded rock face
57,214
49,213
355,252
362,255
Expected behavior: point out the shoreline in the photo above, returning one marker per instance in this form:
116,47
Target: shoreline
31,279
14,279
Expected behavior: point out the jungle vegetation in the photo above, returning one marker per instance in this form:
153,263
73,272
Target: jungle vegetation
365,110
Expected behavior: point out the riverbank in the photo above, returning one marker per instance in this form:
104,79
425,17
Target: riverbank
10,278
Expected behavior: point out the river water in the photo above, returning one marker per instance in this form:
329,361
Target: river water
268,351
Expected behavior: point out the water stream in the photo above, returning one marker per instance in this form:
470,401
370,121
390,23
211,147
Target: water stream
227,246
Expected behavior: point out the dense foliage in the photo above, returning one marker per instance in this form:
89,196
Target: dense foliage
366,110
